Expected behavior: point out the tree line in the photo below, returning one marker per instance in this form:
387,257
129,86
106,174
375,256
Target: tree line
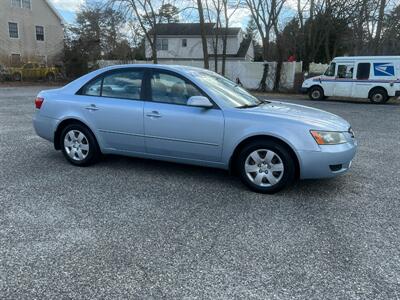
306,30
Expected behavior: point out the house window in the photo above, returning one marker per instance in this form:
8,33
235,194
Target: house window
184,43
39,33
162,44
21,3
26,4
15,60
13,30
16,3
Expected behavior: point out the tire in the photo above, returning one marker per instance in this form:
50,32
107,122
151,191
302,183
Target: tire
17,77
316,93
79,145
266,166
378,96
50,77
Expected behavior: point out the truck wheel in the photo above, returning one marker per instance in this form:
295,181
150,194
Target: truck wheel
378,96
316,93
50,77
17,77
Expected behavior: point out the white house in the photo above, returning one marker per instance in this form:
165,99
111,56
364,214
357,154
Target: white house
182,41
30,30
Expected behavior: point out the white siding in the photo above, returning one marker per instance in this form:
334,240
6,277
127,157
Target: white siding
194,48
26,45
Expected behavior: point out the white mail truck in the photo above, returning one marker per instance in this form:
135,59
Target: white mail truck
373,77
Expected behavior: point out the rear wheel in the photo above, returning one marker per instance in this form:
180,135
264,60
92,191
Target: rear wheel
79,145
50,77
316,93
17,77
266,166
378,96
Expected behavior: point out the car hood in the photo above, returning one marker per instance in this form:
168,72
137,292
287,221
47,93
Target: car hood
315,118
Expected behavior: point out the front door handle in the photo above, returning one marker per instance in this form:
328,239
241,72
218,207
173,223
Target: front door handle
153,114
92,107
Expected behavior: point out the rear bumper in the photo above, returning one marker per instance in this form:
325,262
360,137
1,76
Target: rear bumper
44,126
331,161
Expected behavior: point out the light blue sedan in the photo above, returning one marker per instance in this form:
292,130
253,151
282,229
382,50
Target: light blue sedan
194,116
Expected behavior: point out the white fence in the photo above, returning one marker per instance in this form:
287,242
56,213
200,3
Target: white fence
317,68
249,73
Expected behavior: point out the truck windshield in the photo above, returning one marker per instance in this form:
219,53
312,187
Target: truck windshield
331,70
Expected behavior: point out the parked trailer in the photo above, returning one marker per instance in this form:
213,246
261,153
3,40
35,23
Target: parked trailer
373,77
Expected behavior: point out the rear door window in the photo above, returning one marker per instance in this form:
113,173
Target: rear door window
125,84
363,70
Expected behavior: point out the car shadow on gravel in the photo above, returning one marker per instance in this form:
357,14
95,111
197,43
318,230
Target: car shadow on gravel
210,177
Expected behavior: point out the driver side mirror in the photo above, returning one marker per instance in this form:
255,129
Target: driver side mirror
199,101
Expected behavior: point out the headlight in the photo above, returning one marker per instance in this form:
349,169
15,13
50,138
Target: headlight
328,137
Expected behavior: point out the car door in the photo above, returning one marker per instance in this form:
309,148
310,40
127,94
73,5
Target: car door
174,129
27,71
113,104
344,80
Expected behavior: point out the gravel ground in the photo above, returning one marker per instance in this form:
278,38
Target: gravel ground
142,229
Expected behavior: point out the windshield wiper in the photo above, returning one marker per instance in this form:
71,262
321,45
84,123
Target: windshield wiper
249,105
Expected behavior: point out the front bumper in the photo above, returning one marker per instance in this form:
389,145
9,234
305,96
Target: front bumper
303,90
331,161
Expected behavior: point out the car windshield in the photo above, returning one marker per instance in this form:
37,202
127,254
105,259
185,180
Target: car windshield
229,92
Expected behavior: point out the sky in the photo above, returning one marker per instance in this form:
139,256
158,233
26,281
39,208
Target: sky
68,9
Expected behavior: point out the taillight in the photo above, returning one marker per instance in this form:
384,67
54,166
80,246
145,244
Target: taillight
39,102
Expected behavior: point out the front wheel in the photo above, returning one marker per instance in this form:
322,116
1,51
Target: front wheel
79,145
266,167
316,93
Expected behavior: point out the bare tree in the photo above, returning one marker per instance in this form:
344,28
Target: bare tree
214,11
266,15
232,5
203,34
144,12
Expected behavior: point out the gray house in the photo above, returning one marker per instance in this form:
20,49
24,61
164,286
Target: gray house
181,41
31,30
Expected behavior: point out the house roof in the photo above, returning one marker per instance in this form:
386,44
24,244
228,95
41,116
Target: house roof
48,2
187,29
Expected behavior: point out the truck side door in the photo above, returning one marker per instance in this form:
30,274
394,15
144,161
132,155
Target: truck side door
344,80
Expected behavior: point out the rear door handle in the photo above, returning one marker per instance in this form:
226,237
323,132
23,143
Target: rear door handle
92,107
153,114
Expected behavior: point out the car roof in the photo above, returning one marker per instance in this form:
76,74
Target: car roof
156,66
75,85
